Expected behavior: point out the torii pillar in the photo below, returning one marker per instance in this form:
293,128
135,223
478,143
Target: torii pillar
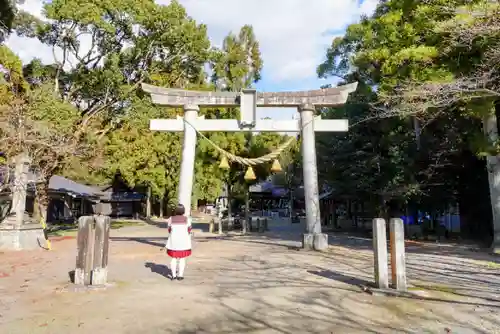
248,101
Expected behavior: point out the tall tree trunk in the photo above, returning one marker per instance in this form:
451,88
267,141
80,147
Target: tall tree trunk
194,203
355,214
382,209
417,130
42,201
246,222
490,127
335,217
229,210
148,202
162,200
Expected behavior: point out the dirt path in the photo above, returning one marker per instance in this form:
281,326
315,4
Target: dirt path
256,284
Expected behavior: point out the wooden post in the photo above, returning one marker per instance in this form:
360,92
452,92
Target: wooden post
84,256
380,253
398,262
101,248
93,249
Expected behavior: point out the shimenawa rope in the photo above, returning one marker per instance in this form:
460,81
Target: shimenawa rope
246,161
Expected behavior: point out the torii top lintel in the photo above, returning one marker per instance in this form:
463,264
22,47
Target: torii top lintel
327,97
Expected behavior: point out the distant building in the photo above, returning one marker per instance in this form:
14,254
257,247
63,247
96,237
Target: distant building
69,200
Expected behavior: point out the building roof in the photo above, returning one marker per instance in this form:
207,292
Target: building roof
62,184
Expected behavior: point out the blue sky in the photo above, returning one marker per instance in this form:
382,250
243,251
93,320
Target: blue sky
293,36
290,85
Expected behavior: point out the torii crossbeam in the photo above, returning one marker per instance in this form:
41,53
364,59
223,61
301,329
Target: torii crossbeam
248,101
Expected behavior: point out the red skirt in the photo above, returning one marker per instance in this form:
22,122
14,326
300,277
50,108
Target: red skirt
178,254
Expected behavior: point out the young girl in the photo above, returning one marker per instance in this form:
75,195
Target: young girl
179,242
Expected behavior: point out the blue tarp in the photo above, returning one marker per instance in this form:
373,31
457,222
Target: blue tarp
127,196
450,221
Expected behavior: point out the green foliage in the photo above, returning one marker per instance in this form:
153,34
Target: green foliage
133,42
238,64
398,43
234,67
36,122
407,153
143,157
11,72
8,11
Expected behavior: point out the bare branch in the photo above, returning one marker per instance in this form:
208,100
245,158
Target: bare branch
49,146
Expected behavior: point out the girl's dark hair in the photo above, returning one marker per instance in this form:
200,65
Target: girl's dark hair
180,210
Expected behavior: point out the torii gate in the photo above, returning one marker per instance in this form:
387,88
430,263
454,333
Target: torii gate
248,100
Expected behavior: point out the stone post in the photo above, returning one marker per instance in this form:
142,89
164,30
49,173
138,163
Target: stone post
398,262
219,221
188,157
211,226
92,250
17,231
313,238
380,253
20,188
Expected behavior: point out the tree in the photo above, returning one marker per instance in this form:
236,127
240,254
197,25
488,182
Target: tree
8,11
238,64
133,42
36,122
291,175
144,158
416,149
130,42
474,88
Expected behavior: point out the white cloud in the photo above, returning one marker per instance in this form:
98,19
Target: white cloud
293,34
368,7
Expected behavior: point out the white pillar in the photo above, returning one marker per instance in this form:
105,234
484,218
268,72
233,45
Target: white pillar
313,238
188,157
398,261
493,168
381,269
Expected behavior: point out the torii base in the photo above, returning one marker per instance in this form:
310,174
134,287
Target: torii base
24,237
315,241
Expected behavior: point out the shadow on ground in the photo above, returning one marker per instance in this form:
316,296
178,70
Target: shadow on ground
291,235
448,270
153,241
263,295
264,283
162,223
159,269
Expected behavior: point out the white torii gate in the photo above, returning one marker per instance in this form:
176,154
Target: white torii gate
248,101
